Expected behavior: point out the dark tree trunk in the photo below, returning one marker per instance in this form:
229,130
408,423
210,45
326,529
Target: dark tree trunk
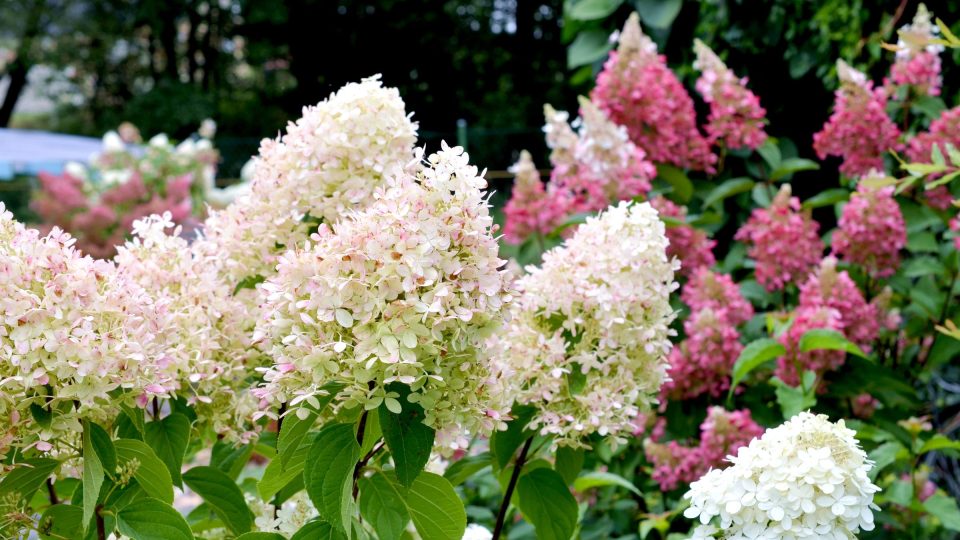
21,66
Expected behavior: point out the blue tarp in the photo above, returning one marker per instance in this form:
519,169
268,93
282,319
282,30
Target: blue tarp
28,152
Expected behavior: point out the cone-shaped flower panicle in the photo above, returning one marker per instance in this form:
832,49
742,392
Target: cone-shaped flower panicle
917,62
859,130
398,297
736,118
589,335
871,231
637,90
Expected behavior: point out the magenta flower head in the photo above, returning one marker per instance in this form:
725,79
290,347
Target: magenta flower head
637,90
871,231
917,63
783,241
859,130
736,118
834,289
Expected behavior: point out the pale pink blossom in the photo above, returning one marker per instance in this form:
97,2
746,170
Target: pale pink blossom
736,118
871,231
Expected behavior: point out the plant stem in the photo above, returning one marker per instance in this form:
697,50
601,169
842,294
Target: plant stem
101,528
156,408
53,493
283,409
517,467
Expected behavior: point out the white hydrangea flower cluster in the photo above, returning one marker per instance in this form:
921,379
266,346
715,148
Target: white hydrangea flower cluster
207,345
293,514
405,291
329,162
589,339
804,479
76,337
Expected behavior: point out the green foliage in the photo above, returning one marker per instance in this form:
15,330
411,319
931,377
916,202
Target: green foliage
328,473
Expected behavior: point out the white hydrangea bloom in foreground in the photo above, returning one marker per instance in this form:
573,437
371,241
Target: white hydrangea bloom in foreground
589,339
804,479
77,339
329,162
404,292
207,348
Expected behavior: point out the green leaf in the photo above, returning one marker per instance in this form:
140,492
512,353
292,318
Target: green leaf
792,165
249,282
408,438
938,442
61,521
602,479
169,437
328,473
569,463
754,355
503,444
883,456
826,339
590,10
276,477
151,473
318,530
135,416
678,180
771,154
152,519
729,188
436,509
92,475
924,266
261,536
223,495
459,471
659,13
945,509
922,242
229,458
383,506
27,477
103,446
294,429
590,46
547,504
827,198
793,400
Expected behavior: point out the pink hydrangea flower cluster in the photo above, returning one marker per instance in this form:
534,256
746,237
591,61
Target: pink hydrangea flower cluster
637,90
98,203
736,118
78,339
790,367
405,291
329,162
102,222
207,353
689,244
864,405
588,338
703,361
917,62
525,212
859,130
710,290
871,231
833,289
943,131
592,168
782,240
722,433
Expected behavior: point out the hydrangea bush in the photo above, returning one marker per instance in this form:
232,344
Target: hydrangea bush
98,202
662,341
